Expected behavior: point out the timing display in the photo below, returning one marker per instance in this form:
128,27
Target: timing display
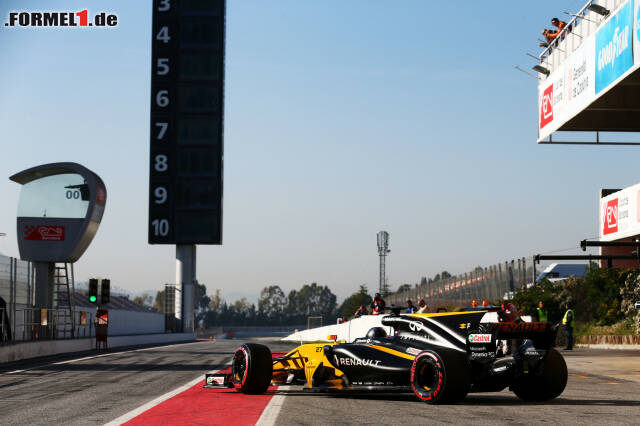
187,106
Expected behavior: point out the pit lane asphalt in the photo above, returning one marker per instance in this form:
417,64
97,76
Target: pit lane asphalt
590,397
73,390
603,388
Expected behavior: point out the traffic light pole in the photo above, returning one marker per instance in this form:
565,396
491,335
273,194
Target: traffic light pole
185,277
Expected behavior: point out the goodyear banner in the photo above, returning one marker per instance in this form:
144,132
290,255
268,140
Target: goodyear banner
636,32
614,47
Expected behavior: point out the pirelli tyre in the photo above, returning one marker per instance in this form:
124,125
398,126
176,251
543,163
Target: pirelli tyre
252,368
441,377
546,382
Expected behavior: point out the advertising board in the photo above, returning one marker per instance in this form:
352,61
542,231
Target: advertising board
620,214
636,32
551,102
580,78
614,51
602,59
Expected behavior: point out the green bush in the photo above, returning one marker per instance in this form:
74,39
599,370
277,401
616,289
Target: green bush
602,298
545,291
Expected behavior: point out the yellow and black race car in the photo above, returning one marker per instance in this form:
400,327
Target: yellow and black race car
438,357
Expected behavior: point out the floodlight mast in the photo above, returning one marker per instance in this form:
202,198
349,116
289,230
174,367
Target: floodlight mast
383,249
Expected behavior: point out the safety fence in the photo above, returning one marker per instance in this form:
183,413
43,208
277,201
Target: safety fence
492,283
28,324
21,321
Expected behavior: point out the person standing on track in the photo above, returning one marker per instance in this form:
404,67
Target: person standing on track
543,314
509,313
362,310
568,324
410,308
422,307
378,305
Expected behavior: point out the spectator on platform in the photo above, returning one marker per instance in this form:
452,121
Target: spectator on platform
474,304
551,35
410,308
378,305
362,310
422,307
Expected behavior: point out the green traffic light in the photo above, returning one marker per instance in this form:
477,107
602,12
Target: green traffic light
93,299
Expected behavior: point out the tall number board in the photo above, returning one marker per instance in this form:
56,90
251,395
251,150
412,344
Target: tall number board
187,106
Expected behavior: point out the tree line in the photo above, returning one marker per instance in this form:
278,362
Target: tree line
604,297
274,306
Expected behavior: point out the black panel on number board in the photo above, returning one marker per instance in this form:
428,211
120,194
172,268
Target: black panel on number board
187,106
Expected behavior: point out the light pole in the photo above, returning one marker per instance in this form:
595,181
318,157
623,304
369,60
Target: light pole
383,249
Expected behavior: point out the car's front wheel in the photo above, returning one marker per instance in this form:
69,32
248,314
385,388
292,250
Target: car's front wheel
252,368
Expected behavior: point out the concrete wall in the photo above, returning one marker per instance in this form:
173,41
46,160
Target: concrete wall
28,350
134,322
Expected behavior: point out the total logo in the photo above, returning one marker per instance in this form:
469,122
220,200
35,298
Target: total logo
610,217
480,338
546,107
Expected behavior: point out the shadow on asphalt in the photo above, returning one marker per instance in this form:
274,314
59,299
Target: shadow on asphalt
475,400
142,366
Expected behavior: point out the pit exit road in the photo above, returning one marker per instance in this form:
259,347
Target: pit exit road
95,390
603,388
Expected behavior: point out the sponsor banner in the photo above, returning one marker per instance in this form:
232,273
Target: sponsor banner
44,233
580,79
614,51
636,32
620,214
551,102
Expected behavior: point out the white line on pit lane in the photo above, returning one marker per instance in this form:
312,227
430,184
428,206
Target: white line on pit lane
272,410
94,356
149,405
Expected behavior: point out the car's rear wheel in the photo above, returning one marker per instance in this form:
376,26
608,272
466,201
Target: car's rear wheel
440,377
547,382
252,368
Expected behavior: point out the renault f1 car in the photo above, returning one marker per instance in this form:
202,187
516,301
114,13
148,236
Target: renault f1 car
438,357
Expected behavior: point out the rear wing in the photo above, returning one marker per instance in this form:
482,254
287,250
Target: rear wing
543,334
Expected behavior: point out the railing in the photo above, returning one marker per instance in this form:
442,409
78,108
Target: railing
492,284
28,324
574,34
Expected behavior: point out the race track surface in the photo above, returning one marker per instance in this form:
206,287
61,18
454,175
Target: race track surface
603,388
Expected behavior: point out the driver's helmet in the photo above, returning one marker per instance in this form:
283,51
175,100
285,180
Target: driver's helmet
376,333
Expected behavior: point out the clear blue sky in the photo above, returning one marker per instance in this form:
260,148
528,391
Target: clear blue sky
343,118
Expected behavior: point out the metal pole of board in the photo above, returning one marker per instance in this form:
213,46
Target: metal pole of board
185,278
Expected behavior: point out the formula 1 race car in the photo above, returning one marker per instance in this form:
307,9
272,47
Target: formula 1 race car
438,357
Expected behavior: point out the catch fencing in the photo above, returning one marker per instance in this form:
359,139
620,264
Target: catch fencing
492,283
21,321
